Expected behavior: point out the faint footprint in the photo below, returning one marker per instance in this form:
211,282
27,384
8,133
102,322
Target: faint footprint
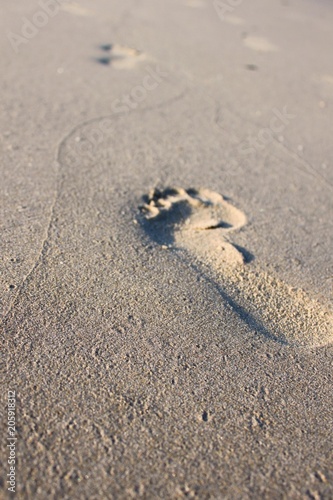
259,44
120,56
76,9
200,221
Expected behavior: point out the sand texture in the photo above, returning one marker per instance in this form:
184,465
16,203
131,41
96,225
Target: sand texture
166,249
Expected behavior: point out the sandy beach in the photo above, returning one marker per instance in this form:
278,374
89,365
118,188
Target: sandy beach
166,249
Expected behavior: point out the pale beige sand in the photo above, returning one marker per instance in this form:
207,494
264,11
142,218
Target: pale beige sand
139,369
260,44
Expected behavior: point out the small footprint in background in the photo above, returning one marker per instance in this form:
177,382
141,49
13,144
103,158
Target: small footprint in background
76,9
200,221
120,56
259,44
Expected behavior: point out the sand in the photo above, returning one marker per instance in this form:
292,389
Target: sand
162,342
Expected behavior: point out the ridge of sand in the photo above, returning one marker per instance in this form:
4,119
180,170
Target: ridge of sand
199,221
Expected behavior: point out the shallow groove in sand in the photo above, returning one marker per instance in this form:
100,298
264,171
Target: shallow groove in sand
62,160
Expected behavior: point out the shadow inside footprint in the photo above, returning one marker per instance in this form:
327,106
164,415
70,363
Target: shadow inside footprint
106,47
250,320
104,60
247,256
161,228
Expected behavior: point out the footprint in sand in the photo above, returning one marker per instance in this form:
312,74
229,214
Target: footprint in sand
200,221
120,56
